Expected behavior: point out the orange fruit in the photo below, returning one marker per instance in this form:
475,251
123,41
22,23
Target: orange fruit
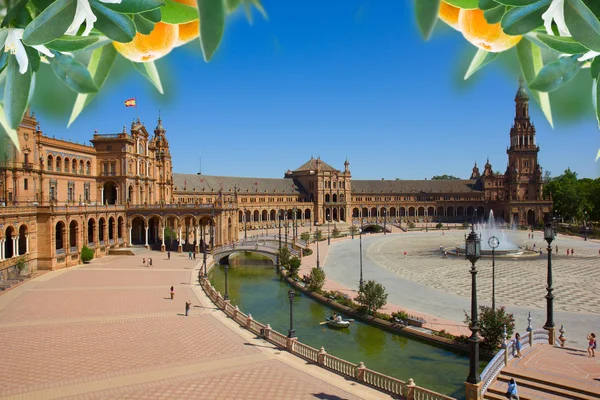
449,14
478,31
190,30
150,47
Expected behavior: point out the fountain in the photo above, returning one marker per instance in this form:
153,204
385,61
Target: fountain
506,247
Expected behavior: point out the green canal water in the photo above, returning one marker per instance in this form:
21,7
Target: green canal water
255,287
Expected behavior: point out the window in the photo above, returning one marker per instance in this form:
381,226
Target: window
71,191
26,158
88,168
25,184
86,192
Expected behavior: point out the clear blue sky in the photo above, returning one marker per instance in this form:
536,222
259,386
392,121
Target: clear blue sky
333,79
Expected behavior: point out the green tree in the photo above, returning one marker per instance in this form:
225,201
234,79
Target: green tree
444,178
284,257
87,254
318,235
439,225
491,324
335,232
354,229
372,297
316,279
305,236
21,264
565,194
293,267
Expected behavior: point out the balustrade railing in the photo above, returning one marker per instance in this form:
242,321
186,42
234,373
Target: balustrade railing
387,383
420,393
278,339
342,366
492,370
73,249
305,351
540,336
60,251
256,327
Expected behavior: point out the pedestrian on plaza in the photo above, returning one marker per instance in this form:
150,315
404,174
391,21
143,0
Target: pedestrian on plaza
187,307
445,254
591,345
568,252
404,253
144,261
512,392
194,255
572,252
556,249
168,255
172,292
518,344
529,236
441,248
150,262
189,255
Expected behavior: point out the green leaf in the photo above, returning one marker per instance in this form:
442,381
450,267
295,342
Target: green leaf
556,74
466,4
517,3
597,103
3,36
16,91
530,59
178,13
4,59
42,4
148,69
143,26
520,20
51,24
232,5
488,4
481,59
34,58
72,43
100,66
18,13
114,25
6,130
494,15
135,6
583,24
212,24
562,44
595,68
153,16
426,12
72,73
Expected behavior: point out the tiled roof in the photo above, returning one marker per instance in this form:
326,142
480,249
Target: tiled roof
207,183
311,165
434,186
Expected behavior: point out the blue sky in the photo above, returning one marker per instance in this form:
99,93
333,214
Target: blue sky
333,79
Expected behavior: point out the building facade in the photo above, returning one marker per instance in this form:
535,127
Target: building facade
58,196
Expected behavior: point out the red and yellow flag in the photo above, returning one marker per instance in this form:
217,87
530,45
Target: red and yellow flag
130,102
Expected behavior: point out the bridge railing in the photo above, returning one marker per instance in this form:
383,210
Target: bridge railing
272,249
358,372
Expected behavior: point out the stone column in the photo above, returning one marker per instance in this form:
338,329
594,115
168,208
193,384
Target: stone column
102,195
197,238
162,245
146,229
130,244
179,246
116,195
27,243
16,247
2,249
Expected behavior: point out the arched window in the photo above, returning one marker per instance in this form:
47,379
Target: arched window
74,166
50,163
81,167
58,164
67,164
88,168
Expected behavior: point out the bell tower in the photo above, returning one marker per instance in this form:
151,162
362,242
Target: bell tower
164,181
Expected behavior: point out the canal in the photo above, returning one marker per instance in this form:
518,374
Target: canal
255,287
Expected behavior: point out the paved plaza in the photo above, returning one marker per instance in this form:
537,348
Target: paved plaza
424,282
109,330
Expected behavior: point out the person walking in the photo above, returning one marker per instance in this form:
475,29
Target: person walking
172,292
568,252
144,261
189,255
556,249
150,262
572,252
404,253
194,255
168,255
512,392
187,307
591,345
518,344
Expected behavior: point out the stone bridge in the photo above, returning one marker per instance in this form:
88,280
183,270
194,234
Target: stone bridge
268,248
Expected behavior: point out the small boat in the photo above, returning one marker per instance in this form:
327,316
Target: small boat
338,324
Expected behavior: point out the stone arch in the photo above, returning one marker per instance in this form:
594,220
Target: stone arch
256,215
110,193
120,227
101,227
154,232
111,228
67,164
307,213
91,228
384,213
81,167
460,211
50,163
22,242
58,164
130,194
450,212
393,212
364,213
335,214
403,211
531,220
59,232
430,212
138,233
73,230
411,211
334,198
421,211
8,242
240,216
374,212
265,215
342,214
273,215
355,212
470,211
327,214
88,168
74,166
327,198
440,213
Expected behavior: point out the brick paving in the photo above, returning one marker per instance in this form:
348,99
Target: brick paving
108,330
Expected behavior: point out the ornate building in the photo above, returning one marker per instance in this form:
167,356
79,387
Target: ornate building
58,196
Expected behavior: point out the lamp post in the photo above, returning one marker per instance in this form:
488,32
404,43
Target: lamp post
285,228
472,253
328,223
226,297
291,332
295,210
360,282
384,220
245,226
317,240
549,235
493,242
585,226
204,251
212,232
279,223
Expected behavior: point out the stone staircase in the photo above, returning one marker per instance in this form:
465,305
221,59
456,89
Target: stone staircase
539,387
7,284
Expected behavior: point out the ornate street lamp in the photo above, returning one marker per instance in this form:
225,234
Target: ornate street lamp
384,220
245,226
585,226
226,297
360,282
317,240
549,236
279,223
291,332
328,223
212,232
472,253
294,233
204,250
285,227
493,242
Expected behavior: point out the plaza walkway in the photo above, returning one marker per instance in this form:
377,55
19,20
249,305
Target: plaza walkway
109,330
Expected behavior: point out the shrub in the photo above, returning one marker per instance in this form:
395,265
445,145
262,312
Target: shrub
87,254
400,315
21,264
383,316
466,224
335,232
293,267
318,235
305,236
284,257
439,225
411,225
353,229
491,323
316,279
372,297
306,252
